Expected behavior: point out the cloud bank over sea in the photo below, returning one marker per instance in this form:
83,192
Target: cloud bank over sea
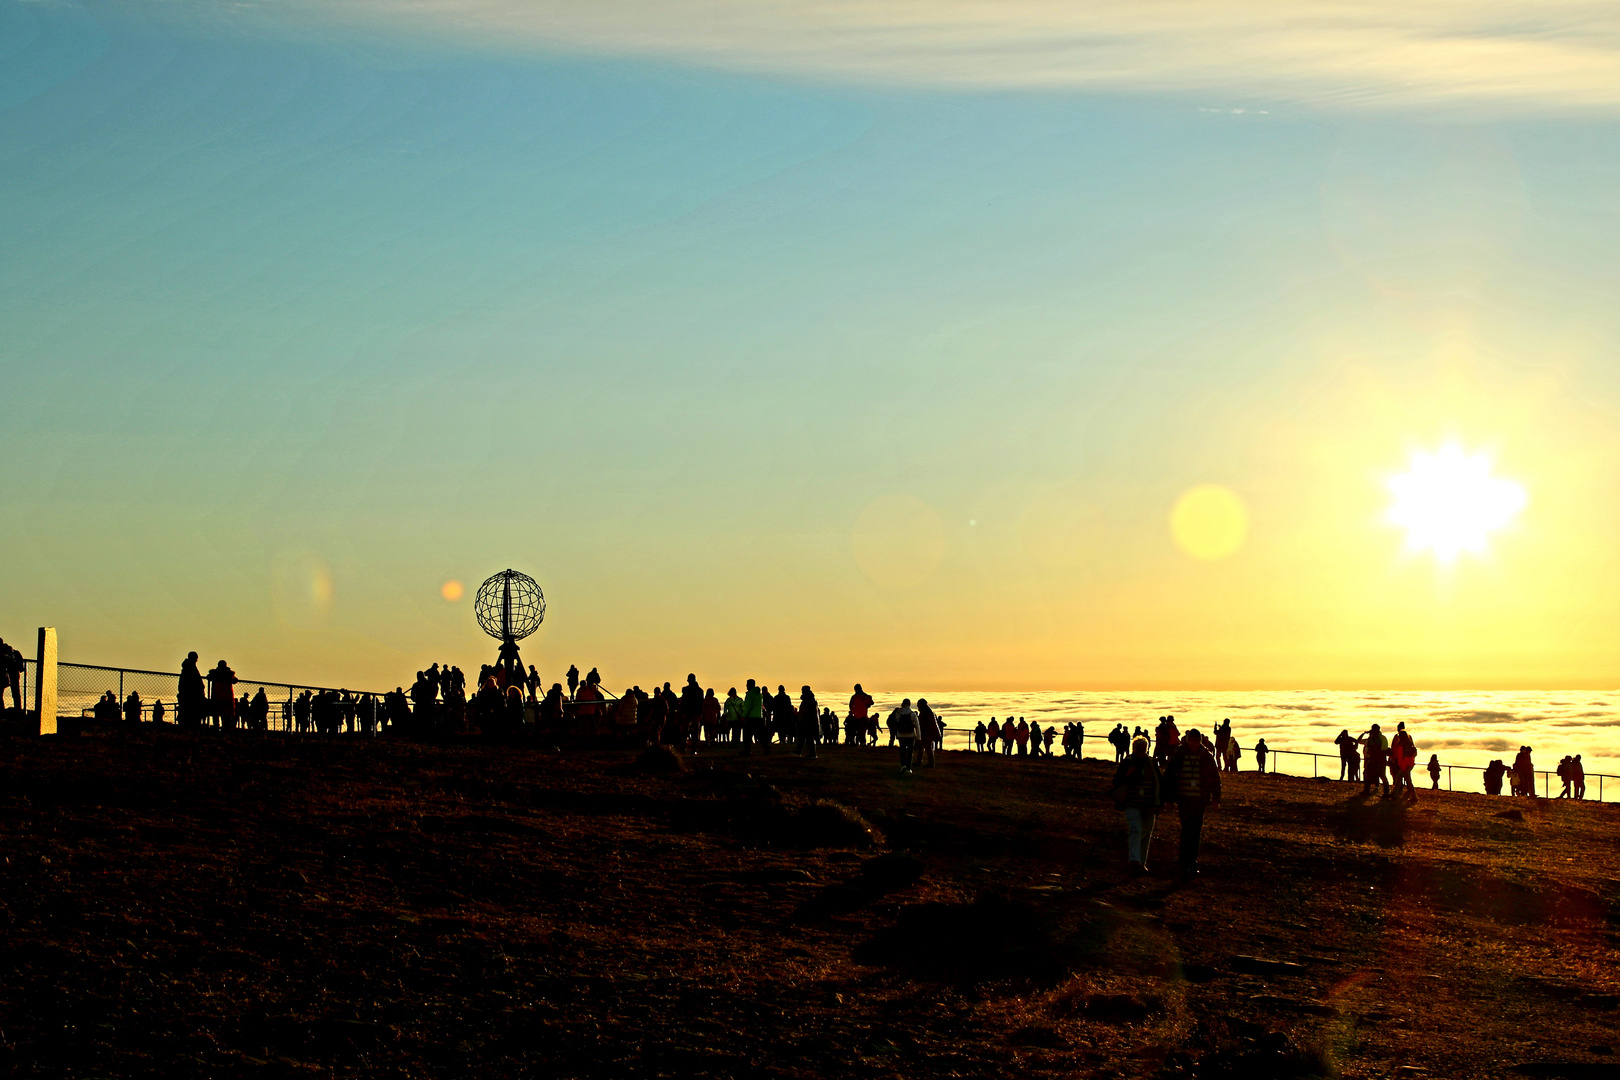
1464,727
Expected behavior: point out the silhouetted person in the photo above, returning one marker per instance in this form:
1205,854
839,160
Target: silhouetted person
1120,739
731,716
754,719
809,721
1493,777
1166,740
860,707
1260,752
709,717
691,709
260,711
1349,756
1009,732
1577,772
903,723
1223,736
1138,793
573,681
1402,760
1375,755
1434,772
132,709
1524,774
993,733
980,733
929,733
1035,735
551,710
625,717
1021,737
1193,782
157,711
222,687
191,698
532,683
784,716
11,669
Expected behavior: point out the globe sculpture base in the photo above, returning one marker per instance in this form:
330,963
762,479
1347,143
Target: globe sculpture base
511,662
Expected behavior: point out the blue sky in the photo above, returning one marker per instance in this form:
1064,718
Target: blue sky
301,318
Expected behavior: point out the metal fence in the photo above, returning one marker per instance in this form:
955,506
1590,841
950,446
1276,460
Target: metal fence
1547,775
79,687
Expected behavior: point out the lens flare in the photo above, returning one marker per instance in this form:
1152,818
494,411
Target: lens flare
451,590
1448,502
1210,522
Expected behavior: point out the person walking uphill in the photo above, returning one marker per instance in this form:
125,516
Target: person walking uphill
1138,792
1193,782
903,723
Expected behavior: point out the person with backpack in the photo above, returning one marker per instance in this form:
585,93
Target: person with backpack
903,726
1138,793
1193,781
1375,751
1231,754
1402,758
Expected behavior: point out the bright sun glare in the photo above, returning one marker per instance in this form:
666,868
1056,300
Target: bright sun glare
1449,502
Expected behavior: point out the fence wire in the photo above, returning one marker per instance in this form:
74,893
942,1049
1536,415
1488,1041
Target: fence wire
81,688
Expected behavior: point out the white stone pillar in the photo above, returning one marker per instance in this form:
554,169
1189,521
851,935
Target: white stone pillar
45,684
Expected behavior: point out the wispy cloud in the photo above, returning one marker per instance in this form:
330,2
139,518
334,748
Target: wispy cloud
1546,54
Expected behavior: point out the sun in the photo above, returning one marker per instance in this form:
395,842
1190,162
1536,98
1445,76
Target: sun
1449,502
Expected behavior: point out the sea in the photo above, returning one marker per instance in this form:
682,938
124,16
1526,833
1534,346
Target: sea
1465,728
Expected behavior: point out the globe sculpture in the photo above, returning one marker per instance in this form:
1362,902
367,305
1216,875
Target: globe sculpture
510,607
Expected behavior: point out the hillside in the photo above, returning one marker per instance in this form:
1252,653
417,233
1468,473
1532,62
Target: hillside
193,906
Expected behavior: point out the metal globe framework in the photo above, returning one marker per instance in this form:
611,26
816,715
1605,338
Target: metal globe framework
510,606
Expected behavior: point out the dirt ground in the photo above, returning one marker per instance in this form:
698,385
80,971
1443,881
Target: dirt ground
180,905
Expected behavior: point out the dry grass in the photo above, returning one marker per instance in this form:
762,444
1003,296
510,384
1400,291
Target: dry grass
191,906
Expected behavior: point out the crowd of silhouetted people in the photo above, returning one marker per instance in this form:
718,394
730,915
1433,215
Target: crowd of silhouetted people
511,703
